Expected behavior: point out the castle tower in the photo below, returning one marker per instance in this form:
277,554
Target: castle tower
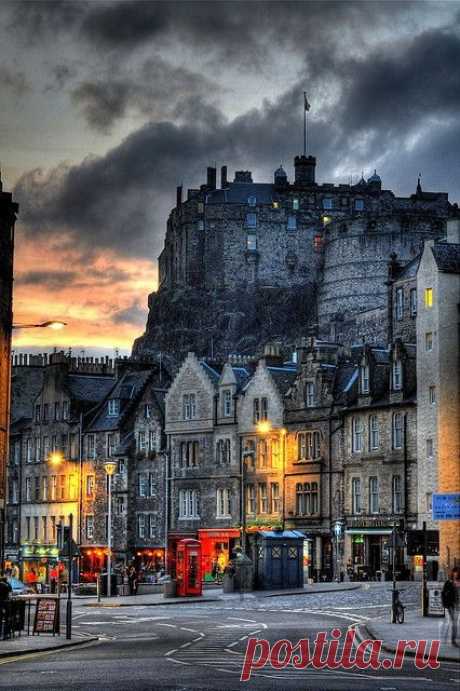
305,170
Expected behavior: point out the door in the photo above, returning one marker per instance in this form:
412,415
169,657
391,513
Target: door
374,554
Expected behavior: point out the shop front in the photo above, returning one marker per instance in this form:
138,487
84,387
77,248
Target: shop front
149,563
12,563
93,561
370,554
217,546
37,564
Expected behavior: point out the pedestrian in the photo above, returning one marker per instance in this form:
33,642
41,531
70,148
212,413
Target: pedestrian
451,601
5,590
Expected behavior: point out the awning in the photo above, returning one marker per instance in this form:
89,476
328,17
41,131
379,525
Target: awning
369,531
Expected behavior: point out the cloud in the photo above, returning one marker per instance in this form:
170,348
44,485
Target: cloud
52,279
134,314
13,80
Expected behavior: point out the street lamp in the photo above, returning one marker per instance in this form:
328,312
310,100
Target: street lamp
109,467
55,325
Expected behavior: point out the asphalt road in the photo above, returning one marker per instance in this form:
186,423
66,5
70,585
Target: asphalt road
202,646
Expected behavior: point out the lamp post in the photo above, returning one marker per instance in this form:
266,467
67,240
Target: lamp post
109,467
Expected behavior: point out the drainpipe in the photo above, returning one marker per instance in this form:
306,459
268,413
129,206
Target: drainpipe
406,473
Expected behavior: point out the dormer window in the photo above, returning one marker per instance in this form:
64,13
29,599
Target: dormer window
364,379
113,408
227,403
310,394
397,375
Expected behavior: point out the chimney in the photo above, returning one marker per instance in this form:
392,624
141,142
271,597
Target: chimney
223,177
272,355
211,179
179,196
305,170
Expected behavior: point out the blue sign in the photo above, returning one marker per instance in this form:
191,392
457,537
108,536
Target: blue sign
446,507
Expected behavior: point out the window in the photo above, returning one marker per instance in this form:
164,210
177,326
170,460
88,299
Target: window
188,503
373,495
152,441
397,375
252,242
189,406
57,410
429,501
53,493
251,220
37,413
89,526
428,298
399,305
201,225
28,488
35,527
64,444
429,448
364,379
152,484
65,410
292,223
306,498
396,494
152,526
29,450
413,302
148,410
141,525
121,466
141,441
275,497
28,528
397,430
262,455
432,395
295,204
89,485
359,204
252,201
356,495
74,444
91,446
113,407
250,499
142,485
189,454
357,434
53,529
374,435
227,403
428,341
256,410
310,394
54,444
120,505
37,488
38,450
110,444
223,508
46,448
249,454
275,453
62,487
44,529
263,498
264,409
223,451
308,444
328,203
200,207
46,410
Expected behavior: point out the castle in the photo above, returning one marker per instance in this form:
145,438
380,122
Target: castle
248,262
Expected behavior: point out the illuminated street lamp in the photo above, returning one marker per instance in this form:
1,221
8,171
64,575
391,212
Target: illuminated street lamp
109,467
55,325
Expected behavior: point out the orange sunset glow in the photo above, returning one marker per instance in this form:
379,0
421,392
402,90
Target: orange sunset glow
101,296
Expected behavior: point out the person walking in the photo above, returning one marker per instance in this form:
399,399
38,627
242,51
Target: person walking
5,590
451,601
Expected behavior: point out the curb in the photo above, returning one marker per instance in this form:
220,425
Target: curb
172,601
61,646
314,592
392,649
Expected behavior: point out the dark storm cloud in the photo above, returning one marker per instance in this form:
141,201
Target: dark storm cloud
55,279
13,80
131,315
36,18
152,89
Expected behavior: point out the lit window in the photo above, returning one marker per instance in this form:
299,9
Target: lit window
399,304
373,495
292,223
328,203
397,431
275,205
413,302
359,204
432,394
428,297
295,204
252,242
428,341
113,407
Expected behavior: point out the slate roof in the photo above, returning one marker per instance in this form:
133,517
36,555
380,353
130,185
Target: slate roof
238,193
283,377
89,388
410,269
345,378
213,372
447,257
127,389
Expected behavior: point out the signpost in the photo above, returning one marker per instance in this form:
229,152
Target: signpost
446,507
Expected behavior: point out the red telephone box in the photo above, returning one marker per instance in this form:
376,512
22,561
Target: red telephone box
188,567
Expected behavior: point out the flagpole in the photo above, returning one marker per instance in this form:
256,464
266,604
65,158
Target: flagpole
304,124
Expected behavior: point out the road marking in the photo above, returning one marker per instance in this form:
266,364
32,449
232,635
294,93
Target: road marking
253,621
170,652
185,645
184,628
179,662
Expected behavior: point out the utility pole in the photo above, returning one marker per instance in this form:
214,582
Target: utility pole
68,618
393,573
424,588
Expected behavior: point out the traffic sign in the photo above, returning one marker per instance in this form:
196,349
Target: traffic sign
446,507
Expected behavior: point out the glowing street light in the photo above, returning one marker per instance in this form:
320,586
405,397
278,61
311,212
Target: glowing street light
56,457
264,427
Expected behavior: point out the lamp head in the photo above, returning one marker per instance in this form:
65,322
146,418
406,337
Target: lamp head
110,467
264,427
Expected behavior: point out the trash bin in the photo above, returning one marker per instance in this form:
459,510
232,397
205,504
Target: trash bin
113,583
228,583
170,588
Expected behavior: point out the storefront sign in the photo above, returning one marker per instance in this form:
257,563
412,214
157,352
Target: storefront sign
38,551
435,606
446,507
47,615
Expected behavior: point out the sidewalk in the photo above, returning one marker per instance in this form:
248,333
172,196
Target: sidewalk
415,628
213,595
26,645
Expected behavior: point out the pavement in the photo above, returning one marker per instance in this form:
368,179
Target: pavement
26,645
416,628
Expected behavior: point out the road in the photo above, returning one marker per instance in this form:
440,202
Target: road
201,646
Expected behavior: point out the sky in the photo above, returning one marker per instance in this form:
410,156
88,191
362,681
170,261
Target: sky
105,107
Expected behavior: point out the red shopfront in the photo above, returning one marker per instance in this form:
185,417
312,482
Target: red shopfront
174,537
217,546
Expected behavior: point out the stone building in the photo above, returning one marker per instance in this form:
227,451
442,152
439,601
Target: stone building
237,259
438,407
379,455
203,488
8,211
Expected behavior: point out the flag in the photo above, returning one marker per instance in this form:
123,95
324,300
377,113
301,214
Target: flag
307,105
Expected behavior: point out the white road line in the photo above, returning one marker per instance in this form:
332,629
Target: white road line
253,621
170,652
185,645
183,628
179,662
